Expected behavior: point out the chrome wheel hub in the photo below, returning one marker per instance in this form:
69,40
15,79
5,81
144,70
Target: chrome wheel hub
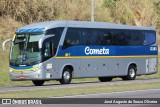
66,75
132,73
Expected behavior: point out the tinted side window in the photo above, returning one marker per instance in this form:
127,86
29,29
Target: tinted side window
58,33
106,37
113,37
150,37
87,37
118,37
72,38
135,38
98,37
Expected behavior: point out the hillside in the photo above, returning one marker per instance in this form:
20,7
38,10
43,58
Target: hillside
17,13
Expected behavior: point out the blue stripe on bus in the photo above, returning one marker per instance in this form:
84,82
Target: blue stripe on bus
30,30
113,50
21,67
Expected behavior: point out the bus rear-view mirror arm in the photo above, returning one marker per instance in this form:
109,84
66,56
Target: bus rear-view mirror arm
42,39
4,43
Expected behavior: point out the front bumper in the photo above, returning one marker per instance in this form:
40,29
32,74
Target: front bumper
25,75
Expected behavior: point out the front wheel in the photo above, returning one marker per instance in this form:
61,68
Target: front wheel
105,79
38,82
66,76
131,74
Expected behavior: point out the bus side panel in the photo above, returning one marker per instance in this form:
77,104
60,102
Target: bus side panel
94,67
101,67
50,69
98,67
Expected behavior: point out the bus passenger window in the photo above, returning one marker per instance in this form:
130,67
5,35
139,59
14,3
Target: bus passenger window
135,38
87,37
72,38
107,39
150,38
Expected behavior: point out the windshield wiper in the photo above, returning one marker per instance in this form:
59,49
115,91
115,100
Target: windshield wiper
28,60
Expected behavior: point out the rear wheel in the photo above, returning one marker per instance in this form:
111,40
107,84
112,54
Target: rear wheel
131,74
105,79
38,82
66,76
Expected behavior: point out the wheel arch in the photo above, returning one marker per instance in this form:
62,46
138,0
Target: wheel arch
131,64
70,66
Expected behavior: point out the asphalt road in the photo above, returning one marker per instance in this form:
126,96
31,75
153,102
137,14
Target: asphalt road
151,93
72,85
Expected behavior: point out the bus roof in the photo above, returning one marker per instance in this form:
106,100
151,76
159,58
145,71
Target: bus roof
42,26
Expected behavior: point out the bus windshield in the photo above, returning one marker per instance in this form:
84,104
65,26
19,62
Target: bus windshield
25,50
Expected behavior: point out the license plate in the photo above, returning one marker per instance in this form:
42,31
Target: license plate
22,77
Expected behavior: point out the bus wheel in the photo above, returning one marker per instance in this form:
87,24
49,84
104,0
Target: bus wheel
105,79
131,74
38,82
66,76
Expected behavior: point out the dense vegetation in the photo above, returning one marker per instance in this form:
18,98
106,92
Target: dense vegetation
16,13
133,12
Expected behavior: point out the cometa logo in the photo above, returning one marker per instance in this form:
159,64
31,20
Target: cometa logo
103,51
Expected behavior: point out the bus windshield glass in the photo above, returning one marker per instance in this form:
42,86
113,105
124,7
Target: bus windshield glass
25,50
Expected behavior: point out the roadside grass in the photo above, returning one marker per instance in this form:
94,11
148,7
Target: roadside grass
44,93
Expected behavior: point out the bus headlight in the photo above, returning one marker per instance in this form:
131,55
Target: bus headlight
11,70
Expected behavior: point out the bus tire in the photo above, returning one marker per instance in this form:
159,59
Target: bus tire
105,79
66,76
131,74
38,82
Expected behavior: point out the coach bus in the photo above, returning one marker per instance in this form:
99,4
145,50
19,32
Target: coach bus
63,50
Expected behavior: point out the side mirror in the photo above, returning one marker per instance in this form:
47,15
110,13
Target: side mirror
4,43
40,43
